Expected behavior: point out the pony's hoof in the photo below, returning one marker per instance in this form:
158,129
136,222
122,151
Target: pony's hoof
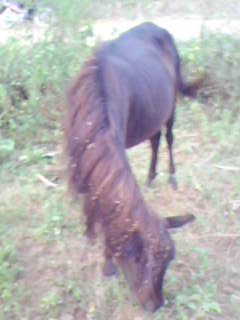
173,183
91,236
109,269
150,179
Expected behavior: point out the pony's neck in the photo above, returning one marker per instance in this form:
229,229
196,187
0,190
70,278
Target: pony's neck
113,191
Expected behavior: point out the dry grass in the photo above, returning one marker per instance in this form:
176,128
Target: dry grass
150,9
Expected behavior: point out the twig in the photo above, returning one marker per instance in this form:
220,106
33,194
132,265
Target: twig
217,235
228,168
51,154
47,182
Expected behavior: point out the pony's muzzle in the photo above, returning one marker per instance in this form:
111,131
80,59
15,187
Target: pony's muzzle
153,306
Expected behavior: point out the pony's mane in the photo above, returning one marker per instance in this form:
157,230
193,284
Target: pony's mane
98,165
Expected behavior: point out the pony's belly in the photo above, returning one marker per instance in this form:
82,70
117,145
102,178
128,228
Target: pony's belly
149,113
143,131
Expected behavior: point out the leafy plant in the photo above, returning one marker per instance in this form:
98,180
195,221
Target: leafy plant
50,301
200,299
6,148
55,213
10,270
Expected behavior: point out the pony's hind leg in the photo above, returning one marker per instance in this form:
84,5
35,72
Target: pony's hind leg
109,268
169,138
155,140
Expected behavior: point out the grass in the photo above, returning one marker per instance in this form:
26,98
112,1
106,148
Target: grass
11,292
132,9
48,270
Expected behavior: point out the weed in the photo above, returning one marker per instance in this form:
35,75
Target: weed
199,299
6,148
11,293
55,214
50,301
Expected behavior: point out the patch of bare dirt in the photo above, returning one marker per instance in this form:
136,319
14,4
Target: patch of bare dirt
52,267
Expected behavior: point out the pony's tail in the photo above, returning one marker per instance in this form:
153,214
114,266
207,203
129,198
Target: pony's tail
189,89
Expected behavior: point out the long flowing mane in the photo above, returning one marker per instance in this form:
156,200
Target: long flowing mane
98,164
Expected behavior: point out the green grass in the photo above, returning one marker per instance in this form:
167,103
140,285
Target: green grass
48,269
12,293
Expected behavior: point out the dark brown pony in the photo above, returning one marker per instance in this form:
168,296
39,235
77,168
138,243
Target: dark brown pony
124,95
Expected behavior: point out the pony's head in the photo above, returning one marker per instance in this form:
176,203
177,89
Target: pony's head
146,256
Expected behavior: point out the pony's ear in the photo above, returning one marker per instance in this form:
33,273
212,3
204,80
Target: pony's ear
134,246
178,221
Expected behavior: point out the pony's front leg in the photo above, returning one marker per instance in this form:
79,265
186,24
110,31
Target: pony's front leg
155,140
109,268
90,211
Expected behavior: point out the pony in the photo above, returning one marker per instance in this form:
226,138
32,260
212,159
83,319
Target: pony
125,94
